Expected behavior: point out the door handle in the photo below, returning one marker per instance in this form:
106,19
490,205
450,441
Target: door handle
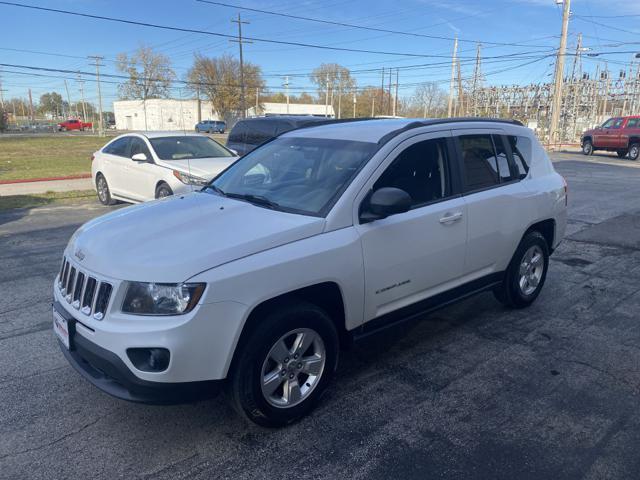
451,217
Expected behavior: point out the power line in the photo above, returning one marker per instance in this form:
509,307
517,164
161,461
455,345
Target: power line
217,34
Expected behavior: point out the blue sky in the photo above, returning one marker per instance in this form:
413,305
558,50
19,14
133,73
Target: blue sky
526,22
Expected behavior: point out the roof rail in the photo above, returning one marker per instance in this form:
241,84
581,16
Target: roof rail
439,121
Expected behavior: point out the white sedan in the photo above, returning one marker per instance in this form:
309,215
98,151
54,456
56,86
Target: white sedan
144,166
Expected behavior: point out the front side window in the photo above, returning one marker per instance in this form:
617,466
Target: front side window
479,162
188,147
617,123
138,146
522,151
118,147
299,175
608,123
421,170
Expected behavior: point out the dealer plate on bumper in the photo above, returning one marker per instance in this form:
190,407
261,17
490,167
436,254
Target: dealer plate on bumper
61,327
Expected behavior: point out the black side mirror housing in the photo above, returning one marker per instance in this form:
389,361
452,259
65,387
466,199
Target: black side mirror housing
384,202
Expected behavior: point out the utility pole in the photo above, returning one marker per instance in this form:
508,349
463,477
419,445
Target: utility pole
286,87
326,97
389,107
373,106
453,74
84,107
97,60
460,102
198,103
395,100
240,41
382,92
30,108
476,81
66,86
354,104
557,83
257,100
1,90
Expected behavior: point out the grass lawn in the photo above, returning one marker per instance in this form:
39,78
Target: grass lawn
40,199
23,158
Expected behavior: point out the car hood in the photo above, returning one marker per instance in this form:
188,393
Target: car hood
172,239
206,168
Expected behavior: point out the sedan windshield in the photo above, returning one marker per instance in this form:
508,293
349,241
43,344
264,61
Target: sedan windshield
301,175
184,147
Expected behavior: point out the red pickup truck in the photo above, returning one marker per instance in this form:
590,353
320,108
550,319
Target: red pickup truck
618,134
73,124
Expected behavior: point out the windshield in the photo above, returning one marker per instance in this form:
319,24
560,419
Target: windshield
183,147
301,175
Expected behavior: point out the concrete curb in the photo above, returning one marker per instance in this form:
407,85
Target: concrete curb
46,179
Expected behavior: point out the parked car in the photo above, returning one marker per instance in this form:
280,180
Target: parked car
211,126
618,134
248,134
73,124
136,167
321,237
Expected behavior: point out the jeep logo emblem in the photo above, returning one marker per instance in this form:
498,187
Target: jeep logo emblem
79,254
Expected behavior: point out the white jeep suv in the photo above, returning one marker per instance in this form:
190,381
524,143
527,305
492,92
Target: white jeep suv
319,237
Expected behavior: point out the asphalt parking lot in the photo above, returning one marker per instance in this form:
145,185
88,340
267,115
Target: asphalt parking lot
473,391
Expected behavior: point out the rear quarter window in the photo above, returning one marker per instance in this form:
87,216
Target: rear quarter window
522,149
238,132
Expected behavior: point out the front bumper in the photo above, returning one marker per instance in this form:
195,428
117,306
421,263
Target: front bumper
105,370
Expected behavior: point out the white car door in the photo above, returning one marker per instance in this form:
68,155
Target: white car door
142,176
493,193
115,161
411,256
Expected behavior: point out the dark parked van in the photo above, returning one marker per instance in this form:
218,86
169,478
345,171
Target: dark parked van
248,134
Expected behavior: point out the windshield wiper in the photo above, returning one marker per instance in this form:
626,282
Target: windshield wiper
256,199
216,189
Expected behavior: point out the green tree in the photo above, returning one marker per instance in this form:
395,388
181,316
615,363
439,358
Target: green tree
335,81
150,74
52,103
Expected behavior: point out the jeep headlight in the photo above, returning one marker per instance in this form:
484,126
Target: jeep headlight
190,179
161,298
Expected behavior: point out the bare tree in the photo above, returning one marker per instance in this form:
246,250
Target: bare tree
334,82
427,100
150,75
217,78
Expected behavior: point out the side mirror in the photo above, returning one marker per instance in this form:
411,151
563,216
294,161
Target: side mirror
386,201
139,157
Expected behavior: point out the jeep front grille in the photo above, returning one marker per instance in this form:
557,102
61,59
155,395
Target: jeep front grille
84,292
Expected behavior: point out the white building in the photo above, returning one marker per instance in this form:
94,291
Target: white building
161,114
269,108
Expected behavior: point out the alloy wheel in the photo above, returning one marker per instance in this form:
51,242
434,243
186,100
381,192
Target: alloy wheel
293,368
102,189
531,270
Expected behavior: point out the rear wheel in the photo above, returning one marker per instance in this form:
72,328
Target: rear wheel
283,368
634,151
163,190
526,273
102,187
587,147
622,153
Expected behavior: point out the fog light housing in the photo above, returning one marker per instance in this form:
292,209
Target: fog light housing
149,359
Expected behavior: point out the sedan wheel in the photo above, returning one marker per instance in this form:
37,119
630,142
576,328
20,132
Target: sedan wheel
102,187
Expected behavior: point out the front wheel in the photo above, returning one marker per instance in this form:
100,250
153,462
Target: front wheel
526,272
634,151
287,362
163,190
587,147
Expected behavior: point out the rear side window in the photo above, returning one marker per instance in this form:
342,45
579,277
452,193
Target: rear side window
119,147
238,132
503,160
260,131
479,162
522,150
633,123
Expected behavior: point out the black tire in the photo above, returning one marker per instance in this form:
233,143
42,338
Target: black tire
515,292
634,151
622,153
163,190
102,188
245,380
587,148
